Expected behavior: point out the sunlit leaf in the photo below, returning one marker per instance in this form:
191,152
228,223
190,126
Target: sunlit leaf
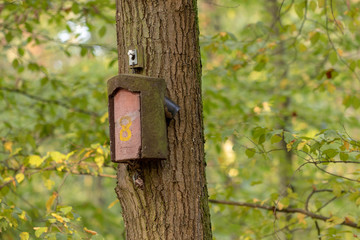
35,160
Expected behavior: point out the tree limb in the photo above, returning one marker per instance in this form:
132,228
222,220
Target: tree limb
49,101
284,210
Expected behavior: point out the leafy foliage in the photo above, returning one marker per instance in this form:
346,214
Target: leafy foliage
54,61
281,99
280,102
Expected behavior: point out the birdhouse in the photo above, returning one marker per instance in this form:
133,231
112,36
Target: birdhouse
137,118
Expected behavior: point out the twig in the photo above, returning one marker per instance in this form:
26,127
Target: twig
318,230
278,230
327,203
312,193
333,15
284,210
49,101
335,175
333,45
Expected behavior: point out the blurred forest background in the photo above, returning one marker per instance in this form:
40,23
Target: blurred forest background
281,109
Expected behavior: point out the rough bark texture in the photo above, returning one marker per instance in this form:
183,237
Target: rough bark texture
173,201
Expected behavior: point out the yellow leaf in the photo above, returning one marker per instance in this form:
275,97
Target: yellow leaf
57,157
113,203
58,217
87,154
301,218
69,155
104,117
8,146
272,45
289,145
340,52
49,183
24,236
236,67
23,215
346,145
301,145
60,168
50,201
99,150
90,231
35,160
331,87
99,161
19,177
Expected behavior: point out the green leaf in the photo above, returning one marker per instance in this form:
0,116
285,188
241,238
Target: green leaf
21,51
333,58
275,139
83,51
28,27
302,47
312,6
344,156
352,65
250,152
337,190
40,230
66,210
335,220
102,31
75,7
288,137
314,37
330,152
15,63
9,37
260,65
35,160
299,9
33,67
321,3
262,139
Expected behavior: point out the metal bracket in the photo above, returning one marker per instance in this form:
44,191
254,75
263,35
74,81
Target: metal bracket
136,58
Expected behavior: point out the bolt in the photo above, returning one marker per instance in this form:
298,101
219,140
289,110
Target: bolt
131,54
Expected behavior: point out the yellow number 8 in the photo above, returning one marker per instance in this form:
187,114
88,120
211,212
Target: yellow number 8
125,128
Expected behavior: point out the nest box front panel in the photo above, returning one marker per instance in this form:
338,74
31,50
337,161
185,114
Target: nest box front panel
127,125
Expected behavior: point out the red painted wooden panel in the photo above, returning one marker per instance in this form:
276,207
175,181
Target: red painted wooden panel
127,125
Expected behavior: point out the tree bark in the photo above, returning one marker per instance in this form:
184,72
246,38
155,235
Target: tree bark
173,203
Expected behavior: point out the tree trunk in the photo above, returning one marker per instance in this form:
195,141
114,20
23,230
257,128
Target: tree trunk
173,203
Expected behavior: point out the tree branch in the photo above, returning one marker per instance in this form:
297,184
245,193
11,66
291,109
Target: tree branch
284,210
49,101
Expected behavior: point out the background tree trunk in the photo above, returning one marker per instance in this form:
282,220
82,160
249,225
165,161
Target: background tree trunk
174,201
